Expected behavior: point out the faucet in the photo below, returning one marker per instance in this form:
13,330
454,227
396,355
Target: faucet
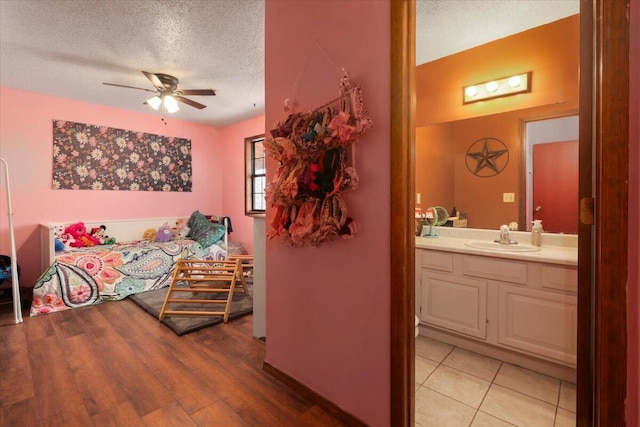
504,236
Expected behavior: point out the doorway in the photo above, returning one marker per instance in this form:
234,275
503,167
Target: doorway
602,275
554,196
551,173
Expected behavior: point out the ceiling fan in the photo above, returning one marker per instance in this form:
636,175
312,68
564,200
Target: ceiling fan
167,92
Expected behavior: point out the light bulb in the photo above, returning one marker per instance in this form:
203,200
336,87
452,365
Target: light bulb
171,104
471,91
154,102
515,81
492,86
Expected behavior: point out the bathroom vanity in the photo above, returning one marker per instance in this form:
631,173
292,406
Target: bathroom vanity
517,304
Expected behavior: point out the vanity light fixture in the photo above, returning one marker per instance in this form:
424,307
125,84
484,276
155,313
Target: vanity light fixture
519,83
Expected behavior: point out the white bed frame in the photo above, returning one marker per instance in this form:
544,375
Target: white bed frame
123,230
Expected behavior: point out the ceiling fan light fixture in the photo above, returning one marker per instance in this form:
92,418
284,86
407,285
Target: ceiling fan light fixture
170,104
166,93
155,102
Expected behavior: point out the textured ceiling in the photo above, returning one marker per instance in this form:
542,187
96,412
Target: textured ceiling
444,27
68,48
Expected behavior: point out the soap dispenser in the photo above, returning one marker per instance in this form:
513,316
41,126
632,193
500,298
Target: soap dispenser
536,232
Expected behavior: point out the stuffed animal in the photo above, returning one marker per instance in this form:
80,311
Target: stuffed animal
67,240
180,230
184,232
149,234
58,232
81,238
164,233
100,234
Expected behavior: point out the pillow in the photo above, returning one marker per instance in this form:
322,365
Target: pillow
204,231
197,220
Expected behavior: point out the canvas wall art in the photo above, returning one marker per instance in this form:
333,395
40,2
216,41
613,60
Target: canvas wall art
91,157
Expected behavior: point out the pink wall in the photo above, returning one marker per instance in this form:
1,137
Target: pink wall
233,178
328,307
633,306
26,144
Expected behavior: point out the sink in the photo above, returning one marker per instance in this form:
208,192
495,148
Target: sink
494,246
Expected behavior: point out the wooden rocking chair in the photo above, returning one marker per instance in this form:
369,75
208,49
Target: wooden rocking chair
193,276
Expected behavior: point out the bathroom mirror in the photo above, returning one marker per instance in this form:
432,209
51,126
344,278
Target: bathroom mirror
473,155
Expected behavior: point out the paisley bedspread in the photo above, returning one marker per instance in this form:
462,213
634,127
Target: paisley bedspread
86,276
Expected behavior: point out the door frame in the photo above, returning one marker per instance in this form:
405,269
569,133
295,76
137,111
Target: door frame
525,206
602,246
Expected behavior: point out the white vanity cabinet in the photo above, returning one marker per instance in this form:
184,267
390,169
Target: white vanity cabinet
538,322
448,300
524,306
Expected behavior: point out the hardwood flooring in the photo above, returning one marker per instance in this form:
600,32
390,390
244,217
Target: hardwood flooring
114,365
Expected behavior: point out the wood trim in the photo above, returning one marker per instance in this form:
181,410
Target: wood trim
402,227
313,396
584,369
611,148
248,185
602,248
522,164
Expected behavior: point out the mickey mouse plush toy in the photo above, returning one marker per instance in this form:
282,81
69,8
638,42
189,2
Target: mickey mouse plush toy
100,233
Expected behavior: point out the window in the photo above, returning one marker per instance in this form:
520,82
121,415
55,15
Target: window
255,176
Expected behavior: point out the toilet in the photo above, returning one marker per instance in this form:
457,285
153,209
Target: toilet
417,327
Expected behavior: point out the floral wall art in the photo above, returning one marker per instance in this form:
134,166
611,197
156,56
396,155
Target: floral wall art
90,157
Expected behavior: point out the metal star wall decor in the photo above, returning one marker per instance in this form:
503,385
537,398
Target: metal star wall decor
487,157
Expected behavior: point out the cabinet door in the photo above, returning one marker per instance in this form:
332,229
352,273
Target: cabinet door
455,303
539,322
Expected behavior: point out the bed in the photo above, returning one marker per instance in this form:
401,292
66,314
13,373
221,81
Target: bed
78,277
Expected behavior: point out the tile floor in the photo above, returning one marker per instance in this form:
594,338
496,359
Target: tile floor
459,388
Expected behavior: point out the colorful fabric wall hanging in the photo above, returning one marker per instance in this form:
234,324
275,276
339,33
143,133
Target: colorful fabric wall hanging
90,157
314,171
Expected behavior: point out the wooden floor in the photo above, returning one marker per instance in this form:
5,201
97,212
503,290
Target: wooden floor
115,365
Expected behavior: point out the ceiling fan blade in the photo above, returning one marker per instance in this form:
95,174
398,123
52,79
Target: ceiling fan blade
189,102
154,80
202,92
130,87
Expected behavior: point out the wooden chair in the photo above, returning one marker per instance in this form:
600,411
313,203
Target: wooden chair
193,276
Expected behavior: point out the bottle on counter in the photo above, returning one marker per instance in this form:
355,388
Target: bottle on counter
536,232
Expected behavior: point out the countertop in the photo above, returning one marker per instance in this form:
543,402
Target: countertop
564,255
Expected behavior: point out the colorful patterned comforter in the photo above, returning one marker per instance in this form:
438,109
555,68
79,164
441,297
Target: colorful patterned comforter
86,276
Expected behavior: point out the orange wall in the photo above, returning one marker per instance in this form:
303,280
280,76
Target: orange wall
480,198
551,52
435,174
